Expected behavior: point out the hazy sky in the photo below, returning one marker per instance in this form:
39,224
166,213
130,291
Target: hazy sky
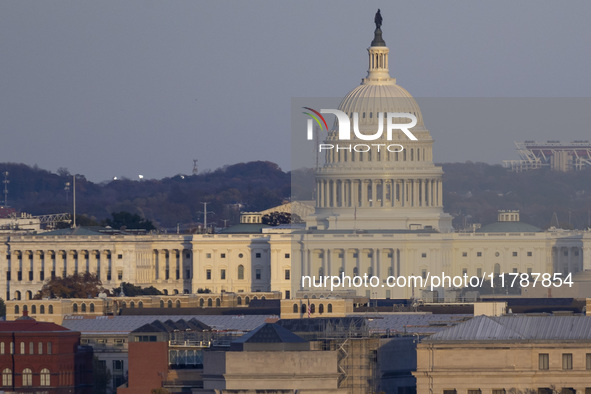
121,88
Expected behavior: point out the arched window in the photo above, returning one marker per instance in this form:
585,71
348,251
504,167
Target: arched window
16,310
139,305
45,377
50,309
178,303
6,377
201,302
42,309
132,304
263,298
209,302
27,377
169,303
83,307
161,303
34,309
247,300
239,300
22,348
31,348
329,309
217,302
25,308
321,308
302,308
17,295
312,308
75,308
240,271
123,305
295,308
92,307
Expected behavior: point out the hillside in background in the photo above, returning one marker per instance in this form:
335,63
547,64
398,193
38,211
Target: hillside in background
473,192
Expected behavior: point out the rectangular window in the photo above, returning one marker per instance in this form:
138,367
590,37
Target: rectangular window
41,275
498,391
514,254
188,274
48,347
474,391
464,271
117,365
208,274
223,274
464,254
287,274
543,361
208,255
257,255
529,254
478,254
453,391
588,361
120,274
258,274
424,274
423,255
188,256
119,256
479,272
223,255
287,294
567,361
286,255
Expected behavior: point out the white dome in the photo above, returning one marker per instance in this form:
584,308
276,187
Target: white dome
369,99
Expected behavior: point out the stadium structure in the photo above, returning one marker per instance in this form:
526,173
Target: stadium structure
556,155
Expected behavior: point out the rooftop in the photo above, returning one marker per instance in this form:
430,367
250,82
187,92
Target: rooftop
518,328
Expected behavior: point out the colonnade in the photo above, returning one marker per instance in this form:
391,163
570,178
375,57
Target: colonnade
411,192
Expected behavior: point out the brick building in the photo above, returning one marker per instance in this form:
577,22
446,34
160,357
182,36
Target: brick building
41,356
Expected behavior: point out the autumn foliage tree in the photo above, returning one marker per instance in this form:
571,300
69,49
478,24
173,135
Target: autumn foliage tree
74,286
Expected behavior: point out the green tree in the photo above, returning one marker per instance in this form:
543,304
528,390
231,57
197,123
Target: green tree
129,220
73,286
131,290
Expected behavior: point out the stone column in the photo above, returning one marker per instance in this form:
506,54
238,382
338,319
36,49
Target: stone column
363,193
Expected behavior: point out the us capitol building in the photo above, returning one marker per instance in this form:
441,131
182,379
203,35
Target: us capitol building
379,213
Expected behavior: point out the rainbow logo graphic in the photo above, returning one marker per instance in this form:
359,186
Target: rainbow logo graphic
317,117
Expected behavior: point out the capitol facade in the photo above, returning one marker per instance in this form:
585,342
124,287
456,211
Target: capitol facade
377,212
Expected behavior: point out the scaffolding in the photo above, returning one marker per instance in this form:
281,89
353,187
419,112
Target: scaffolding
557,156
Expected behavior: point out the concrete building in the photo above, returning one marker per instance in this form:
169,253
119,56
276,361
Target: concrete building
508,354
270,359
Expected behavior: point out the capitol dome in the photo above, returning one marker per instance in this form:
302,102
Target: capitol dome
368,99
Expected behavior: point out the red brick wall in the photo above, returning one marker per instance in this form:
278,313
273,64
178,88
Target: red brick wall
148,366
